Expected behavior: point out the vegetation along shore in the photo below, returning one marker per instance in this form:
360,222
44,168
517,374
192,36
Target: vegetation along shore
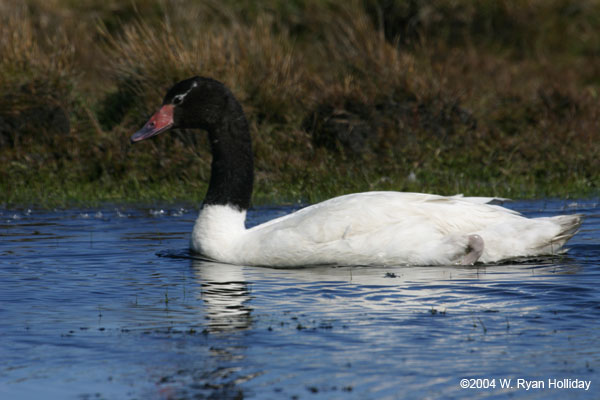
445,96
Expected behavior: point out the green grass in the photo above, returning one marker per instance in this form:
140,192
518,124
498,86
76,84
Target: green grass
480,98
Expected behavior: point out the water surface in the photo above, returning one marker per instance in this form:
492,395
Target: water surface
107,303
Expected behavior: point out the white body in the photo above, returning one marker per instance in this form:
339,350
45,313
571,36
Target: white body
379,228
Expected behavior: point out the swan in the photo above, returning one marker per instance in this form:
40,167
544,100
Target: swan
372,228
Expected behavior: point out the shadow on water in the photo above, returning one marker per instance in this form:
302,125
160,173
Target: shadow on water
99,305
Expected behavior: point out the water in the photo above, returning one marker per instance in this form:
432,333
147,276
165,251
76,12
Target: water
106,303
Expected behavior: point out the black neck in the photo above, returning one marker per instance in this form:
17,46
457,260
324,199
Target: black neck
232,170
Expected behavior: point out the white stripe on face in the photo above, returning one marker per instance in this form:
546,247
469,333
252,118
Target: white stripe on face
178,99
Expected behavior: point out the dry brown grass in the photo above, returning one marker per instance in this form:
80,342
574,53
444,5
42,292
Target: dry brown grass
482,98
37,76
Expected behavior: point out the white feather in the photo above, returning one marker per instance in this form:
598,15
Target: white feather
379,228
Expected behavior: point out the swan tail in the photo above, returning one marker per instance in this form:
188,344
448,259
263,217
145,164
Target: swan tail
569,225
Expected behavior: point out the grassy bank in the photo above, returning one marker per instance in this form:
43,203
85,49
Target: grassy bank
482,98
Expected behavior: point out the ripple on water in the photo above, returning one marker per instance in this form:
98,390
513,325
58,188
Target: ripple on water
110,301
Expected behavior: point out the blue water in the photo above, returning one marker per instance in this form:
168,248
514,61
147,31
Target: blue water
107,304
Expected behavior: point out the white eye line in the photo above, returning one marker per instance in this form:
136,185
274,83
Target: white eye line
180,97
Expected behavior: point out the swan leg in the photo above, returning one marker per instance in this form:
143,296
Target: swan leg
474,250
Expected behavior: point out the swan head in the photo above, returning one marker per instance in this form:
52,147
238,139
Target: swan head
192,103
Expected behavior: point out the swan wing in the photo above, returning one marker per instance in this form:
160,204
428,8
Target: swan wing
358,214
402,228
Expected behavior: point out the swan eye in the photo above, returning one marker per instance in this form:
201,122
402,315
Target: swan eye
178,99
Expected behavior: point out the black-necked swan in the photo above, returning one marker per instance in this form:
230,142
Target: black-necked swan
372,228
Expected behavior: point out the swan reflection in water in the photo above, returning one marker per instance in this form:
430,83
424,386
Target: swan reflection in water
392,307
225,294
334,291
